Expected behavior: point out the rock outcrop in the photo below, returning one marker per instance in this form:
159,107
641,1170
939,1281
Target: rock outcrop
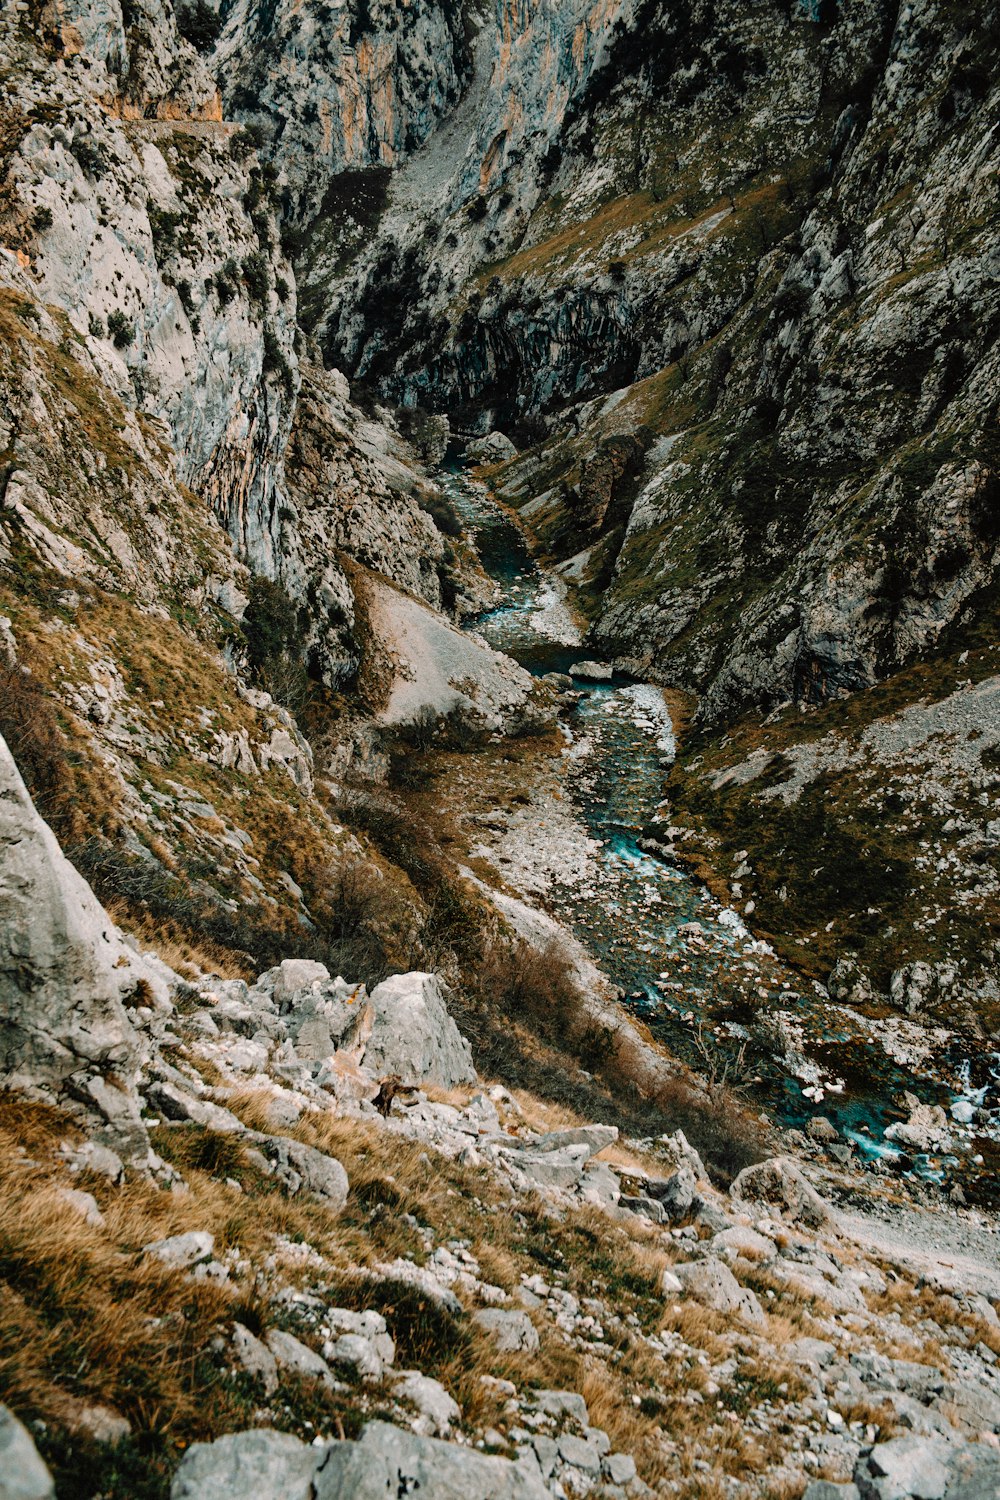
63,968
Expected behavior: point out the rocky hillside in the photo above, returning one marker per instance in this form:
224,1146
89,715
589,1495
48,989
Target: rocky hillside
330,1161
239,1250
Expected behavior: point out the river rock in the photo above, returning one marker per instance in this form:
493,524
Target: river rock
23,1475
592,671
386,1460
926,1129
414,1036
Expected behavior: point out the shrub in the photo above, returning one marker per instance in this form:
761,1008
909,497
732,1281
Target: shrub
198,24
272,636
121,329
41,220
442,512
89,155
257,276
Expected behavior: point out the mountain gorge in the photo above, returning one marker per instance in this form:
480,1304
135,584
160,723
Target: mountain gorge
499,503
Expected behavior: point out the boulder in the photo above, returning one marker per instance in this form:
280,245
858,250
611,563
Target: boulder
510,1332
562,1168
436,1411
254,1358
302,1168
494,448
822,1130
677,1194
386,1460
23,1476
179,1251
779,1181
63,967
262,1464
906,1468
927,1128
414,1036
741,1241
848,984
178,1104
714,1285
293,1355
592,671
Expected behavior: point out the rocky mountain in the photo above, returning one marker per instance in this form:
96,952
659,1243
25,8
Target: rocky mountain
499,770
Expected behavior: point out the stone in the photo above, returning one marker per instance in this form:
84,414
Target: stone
414,1036
595,1137
560,1404
353,1352
177,1104
62,965
291,1354
927,1128
254,1358
963,1111
618,1468
670,1285
713,1284
262,1464
741,1241
299,1168
83,1204
102,1423
592,671
848,984
905,1468
292,976
678,1193
580,1454
510,1332
826,1489
387,1460
646,1208
179,1251
779,1181
822,1130
600,1184
437,1411
549,1169
23,1475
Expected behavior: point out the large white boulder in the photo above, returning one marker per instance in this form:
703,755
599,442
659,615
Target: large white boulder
62,964
23,1476
413,1034
388,1461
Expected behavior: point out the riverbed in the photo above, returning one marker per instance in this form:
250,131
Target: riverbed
688,966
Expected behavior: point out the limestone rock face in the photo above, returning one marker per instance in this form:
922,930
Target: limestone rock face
61,1010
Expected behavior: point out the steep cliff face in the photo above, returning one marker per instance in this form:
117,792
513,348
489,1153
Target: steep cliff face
712,216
